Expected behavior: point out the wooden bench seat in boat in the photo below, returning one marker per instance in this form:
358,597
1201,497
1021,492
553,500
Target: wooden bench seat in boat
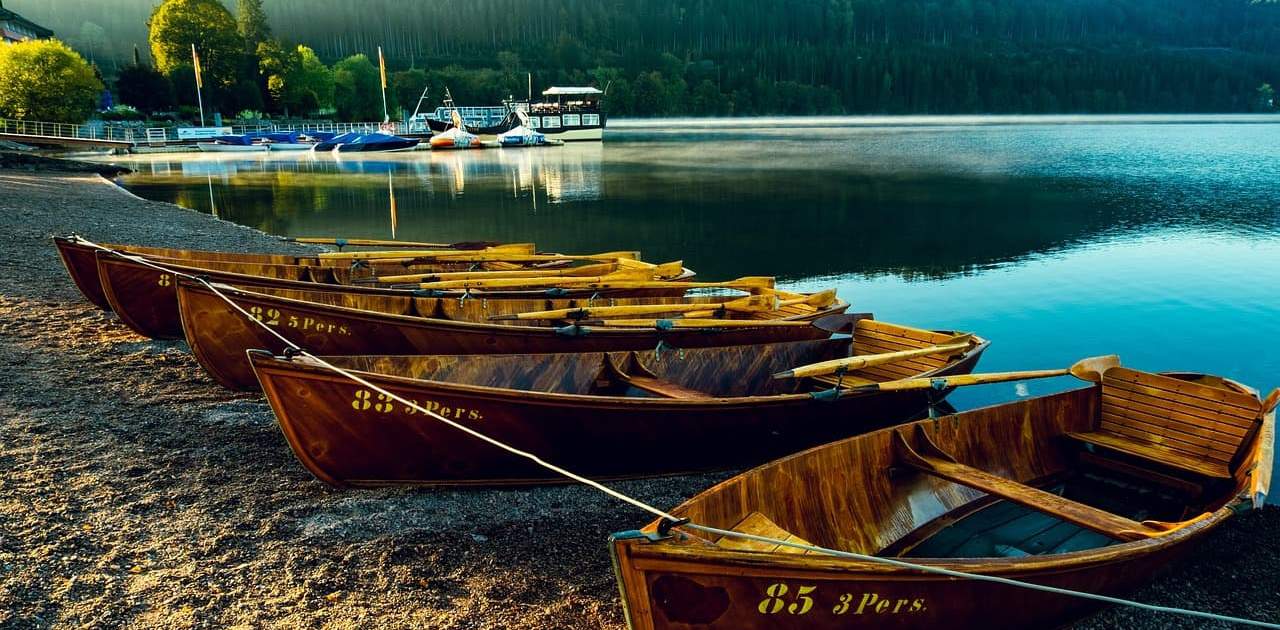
933,460
875,337
759,525
614,377
1184,425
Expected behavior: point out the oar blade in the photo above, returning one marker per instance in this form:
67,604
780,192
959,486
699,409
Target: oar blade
1092,368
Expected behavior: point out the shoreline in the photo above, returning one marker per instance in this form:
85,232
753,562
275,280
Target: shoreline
137,493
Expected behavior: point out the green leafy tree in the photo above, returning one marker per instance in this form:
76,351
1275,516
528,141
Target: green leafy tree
144,88
280,66
177,24
313,78
44,79
357,89
406,87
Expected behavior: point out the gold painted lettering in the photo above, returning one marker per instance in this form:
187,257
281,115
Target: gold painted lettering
165,280
917,605
843,606
773,603
474,415
868,599
361,400
803,603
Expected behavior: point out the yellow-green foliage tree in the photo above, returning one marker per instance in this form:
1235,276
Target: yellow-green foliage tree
44,79
177,24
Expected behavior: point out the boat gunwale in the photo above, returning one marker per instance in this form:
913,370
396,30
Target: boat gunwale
592,400
837,307
832,566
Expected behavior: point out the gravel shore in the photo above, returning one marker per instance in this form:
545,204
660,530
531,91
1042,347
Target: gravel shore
136,493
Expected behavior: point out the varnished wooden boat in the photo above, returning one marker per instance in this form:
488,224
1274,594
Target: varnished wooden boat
605,415
1090,490
145,298
338,323
79,257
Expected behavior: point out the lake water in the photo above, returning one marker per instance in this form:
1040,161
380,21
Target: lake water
1155,238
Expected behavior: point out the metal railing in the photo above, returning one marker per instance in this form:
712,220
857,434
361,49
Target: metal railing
107,132
96,130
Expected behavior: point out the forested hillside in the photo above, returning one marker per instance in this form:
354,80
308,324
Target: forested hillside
720,57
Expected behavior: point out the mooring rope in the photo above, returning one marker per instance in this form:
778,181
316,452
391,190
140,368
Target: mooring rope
682,523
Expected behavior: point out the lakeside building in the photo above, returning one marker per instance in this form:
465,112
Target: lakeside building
15,28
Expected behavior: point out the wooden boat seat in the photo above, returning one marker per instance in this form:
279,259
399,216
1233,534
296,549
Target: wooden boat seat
1187,426
939,463
614,378
758,524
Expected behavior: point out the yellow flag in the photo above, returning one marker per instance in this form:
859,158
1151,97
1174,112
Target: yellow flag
382,67
195,62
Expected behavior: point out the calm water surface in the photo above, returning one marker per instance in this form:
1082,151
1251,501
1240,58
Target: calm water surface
1158,240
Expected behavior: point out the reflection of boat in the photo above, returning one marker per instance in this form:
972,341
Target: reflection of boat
230,144
721,403
1090,490
376,143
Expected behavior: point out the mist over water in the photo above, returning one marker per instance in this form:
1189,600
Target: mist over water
1157,238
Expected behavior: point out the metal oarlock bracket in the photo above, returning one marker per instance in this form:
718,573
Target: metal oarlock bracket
665,525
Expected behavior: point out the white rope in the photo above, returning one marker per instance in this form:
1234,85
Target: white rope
902,564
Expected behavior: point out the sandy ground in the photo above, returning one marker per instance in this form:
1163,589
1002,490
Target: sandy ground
136,493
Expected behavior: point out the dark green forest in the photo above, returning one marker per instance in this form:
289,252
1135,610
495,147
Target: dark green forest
745,57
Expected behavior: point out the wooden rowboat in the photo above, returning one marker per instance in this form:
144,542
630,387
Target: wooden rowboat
712,408
1090,490
79,257
338,323
145,298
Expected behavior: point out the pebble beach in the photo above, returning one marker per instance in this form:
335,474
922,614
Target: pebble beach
136,493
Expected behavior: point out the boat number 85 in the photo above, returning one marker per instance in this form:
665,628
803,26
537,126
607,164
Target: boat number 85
776,600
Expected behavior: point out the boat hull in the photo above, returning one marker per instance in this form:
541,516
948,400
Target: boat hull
888,510
219,335
82,265
667,593
146,300
407,144
347,435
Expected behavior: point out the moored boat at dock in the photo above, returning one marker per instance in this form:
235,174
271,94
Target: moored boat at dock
336,323
1091,490
707,409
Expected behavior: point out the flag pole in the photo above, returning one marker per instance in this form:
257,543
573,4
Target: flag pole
195,66
382,69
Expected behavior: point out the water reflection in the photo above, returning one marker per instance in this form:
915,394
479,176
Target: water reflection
1160,242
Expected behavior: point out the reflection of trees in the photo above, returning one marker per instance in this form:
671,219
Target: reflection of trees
797,222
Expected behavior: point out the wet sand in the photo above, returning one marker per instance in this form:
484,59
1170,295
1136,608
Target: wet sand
134,492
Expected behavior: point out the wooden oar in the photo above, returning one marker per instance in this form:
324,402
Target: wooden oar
370,242
1090,369
654,272
584,270
817,300
663,324
741,284
951,346
749,304
1269,403
513,249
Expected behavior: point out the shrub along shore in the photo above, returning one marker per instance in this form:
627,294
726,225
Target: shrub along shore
135,492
